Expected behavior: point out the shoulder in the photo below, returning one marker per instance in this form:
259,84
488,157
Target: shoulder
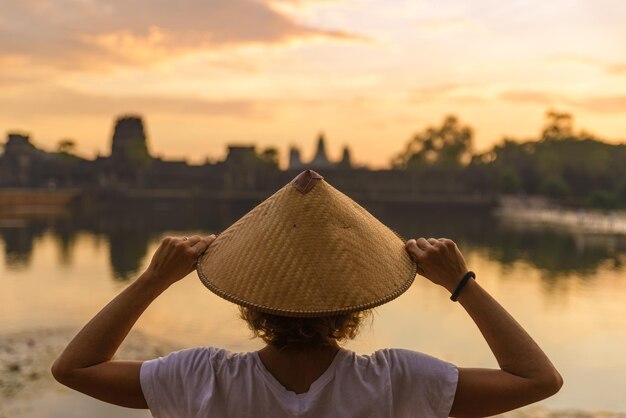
408,364
404,367
397,362
419,381
197,360
399,357
172,384
190,356
416,381
393,357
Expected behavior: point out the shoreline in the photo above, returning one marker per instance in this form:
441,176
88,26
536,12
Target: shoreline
540,212
26,358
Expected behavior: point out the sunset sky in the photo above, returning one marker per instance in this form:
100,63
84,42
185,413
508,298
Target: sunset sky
368,73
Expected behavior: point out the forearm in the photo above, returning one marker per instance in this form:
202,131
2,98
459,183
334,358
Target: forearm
514,349
98,341
525,376
86,366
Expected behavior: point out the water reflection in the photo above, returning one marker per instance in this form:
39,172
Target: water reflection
129,230
567,289
555,253
18,240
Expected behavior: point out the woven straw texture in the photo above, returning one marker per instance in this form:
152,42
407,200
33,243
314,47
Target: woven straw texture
312,254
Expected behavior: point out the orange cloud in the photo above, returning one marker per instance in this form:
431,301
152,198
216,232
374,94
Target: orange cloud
607,66
92,35
450,24
609,103
616,68
529,96
69,103
605,103
459,93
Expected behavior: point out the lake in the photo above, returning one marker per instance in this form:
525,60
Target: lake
567,289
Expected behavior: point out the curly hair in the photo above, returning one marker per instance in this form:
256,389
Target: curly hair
282,331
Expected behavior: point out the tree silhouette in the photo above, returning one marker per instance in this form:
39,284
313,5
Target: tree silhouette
449,145
568,166
269,156
66,146
559,125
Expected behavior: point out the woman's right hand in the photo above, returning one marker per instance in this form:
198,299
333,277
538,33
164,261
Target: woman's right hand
526,374
176,257
439,260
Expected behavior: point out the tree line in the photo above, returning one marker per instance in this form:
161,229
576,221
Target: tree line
571,167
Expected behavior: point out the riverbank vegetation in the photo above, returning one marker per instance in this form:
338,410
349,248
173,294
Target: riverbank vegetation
572,168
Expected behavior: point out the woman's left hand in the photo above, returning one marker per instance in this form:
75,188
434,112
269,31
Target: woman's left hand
439,260
176,257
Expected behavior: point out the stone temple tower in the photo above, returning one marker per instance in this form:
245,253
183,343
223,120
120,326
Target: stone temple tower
129,141
346,161
295,162
320,160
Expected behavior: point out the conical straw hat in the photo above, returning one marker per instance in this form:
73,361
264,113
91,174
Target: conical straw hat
308,250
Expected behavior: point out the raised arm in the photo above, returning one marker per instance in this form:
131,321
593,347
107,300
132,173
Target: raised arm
86,366
526,375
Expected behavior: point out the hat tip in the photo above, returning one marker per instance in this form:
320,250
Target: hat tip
305,181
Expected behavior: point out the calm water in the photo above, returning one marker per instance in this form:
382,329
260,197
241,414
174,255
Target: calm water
568,291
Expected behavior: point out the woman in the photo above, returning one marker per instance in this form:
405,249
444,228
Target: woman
305,266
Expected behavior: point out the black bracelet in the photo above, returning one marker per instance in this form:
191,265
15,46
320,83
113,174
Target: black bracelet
464,280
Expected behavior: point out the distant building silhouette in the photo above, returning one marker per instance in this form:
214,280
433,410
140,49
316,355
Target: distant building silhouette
345,158
129,140
22,156
22,164
320,160
19,144
240,154
130,172
130,161
295,163
130,165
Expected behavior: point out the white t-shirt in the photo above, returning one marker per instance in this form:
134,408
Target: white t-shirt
211,382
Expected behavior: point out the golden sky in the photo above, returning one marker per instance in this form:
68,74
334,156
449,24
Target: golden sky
368,73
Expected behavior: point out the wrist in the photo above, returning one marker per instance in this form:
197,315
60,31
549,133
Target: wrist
153,282
467,277
469,290
452,284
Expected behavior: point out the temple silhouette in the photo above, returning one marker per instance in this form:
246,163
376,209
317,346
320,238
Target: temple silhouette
130,171
320,161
